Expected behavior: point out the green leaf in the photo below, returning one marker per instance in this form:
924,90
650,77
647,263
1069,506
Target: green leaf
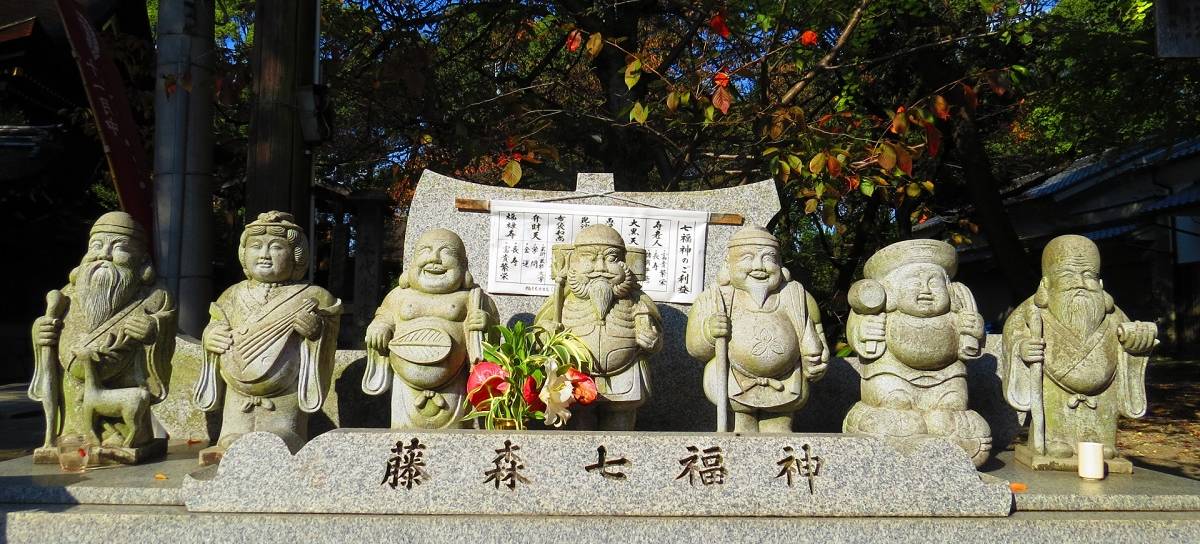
639,113
817,164
867,187
633,72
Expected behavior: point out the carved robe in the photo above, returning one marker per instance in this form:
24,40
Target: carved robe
620,366
135,364
1086,382
766,348
427,361
274,376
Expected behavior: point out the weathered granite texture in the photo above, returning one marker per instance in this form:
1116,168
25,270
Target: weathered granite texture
346,471
1148,490
1074,360
674,376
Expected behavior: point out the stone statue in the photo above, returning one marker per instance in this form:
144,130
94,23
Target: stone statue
598,298
426,333
774,343
913,329
102,351
1073,360
272,338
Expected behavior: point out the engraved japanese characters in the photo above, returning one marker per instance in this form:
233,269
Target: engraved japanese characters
103,349
914,329
598,298
1074,360
762,330
270,340
425,335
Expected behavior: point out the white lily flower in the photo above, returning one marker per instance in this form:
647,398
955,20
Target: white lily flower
556,393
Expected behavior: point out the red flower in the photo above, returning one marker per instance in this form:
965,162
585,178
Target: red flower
721,79
584,387
717,24
529,391
487,380
808,38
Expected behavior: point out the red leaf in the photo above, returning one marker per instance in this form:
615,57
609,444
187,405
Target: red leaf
808,38
721,79
900,121
933,139
833,165
717,24
904,160
941,108
970,96
853,182
574,40
722,100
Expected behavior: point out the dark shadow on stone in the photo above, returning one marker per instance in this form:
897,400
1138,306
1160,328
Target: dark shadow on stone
829,400
357,409
524,317
985,395
993,463
1173,469
677,401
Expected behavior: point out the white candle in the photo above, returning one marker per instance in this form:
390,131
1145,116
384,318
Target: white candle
1091,460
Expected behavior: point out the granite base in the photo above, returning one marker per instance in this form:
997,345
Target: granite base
1037,461
106,455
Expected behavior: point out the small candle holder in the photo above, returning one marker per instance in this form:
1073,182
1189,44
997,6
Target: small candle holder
1091,460
72,454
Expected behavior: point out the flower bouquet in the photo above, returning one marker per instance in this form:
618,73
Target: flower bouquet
531,374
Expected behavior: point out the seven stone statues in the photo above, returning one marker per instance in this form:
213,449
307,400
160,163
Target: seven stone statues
598,298
1074,360
271,337
775,342
426,332
103,349
913,329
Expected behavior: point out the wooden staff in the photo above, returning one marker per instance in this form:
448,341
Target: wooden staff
722,371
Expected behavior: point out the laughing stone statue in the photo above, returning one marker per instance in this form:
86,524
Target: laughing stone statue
103,349
271,338
599,300
914,329
1074,360
425,334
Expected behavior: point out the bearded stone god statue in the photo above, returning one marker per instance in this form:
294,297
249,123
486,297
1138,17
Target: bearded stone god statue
426,333
774,343
271,339
1074,360
102,351
914,329
598,298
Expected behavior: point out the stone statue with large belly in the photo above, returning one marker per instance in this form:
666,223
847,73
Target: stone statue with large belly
913,329
425,333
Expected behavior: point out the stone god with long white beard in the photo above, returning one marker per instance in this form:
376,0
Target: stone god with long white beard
601,302
913,330
1074,360
270,339
103,349
776,342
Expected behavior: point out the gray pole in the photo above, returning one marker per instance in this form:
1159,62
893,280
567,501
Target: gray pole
183,143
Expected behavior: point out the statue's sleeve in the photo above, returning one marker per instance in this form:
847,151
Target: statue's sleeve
377,378
1131,378
209,387
699,345
548,308
1017,377
159,352
316,356
489,307
814,317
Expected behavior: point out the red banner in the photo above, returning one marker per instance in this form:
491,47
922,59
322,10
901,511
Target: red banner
118,132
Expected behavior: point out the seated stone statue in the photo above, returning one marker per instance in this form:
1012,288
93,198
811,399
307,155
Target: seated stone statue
426,333
776,344
598,299
103,349
272,338
913,329
1074,360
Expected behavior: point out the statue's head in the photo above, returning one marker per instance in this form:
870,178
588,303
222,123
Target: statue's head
1070,285
116,266
752,264
273,249
439,263
596,269
916,275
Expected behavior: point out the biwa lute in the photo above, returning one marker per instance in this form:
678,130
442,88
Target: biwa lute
257,354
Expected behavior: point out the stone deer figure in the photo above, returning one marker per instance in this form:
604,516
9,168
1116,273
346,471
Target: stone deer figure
128,403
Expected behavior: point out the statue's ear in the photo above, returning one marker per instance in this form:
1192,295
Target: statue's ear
147,274
723,275
1108,303
787,274
402,281
1041,298
468,280
74,274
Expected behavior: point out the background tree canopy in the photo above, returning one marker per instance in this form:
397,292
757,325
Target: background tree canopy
871,115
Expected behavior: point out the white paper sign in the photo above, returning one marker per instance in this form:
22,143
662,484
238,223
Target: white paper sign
523,234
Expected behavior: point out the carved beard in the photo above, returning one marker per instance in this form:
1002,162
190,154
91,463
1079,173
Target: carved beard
601,289
101,289
1082,311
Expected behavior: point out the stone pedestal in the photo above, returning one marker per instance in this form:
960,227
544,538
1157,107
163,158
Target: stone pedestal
1026,456
106,455
211,455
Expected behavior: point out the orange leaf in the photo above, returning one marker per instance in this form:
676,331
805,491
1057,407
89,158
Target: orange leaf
941,108
834,166
904,160
970,96
1018,487
722,100
900,122
887,157
721,79
808,38
853,182
160,476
